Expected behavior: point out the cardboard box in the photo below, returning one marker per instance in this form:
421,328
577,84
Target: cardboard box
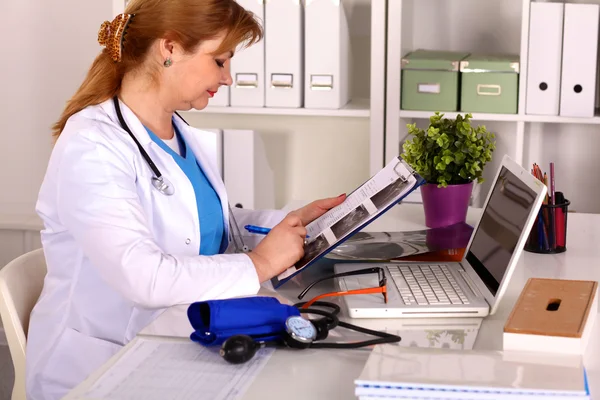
430,80
552,316
489,84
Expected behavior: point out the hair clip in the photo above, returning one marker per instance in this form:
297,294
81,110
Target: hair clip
111,35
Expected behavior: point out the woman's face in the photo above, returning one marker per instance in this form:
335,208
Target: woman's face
193,79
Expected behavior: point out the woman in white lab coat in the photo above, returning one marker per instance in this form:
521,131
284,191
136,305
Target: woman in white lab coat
120,249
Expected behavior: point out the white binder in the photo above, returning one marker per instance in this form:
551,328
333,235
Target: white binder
545,58
283,52
217,146
248,177
579,60
221,98
248,67
327,55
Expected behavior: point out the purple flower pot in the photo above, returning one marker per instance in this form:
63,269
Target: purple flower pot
445,206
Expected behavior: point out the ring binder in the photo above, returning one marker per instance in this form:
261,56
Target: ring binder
321,82
246,81
361,207
285,81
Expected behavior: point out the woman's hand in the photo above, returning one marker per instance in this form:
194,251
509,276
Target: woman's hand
314,210
284,245
280,249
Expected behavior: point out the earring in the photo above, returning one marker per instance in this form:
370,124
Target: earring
168,62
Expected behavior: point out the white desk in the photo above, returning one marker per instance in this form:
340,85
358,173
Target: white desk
329,374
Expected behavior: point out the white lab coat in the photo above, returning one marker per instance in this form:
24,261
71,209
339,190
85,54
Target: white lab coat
118,252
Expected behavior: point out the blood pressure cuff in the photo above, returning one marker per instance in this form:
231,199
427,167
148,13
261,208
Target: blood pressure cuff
262,318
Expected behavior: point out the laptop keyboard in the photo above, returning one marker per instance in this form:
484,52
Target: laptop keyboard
426,284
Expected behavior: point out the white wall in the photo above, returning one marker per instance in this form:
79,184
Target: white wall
575,151
47,49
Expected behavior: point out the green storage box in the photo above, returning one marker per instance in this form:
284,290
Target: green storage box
430,80
490,84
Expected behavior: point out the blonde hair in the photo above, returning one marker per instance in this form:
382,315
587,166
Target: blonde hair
188,22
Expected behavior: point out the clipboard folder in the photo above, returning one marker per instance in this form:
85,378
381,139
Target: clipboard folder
364,205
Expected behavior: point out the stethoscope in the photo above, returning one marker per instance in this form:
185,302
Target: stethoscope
158,181
166,188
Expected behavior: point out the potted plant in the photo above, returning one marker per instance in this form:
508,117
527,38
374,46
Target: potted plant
450,155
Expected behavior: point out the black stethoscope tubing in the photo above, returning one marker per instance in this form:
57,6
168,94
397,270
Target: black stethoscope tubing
153,167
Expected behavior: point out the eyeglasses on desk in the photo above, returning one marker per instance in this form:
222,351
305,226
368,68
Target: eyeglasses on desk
382,288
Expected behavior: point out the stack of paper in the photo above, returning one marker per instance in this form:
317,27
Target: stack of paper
412,373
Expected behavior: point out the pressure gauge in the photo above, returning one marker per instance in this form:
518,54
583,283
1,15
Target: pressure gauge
300,330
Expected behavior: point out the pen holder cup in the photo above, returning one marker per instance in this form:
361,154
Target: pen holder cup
548,234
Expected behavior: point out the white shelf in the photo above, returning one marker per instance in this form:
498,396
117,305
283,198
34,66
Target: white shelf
452,114
356,108
547,119
557,119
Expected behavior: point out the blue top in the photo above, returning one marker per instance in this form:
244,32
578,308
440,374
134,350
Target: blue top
210,212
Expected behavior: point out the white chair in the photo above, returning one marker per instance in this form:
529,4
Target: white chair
21,282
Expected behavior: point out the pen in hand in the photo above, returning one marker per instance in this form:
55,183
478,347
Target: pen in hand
259,229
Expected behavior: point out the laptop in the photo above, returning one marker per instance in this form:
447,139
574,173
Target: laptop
472,287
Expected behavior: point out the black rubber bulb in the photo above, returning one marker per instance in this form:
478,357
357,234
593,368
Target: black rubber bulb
238,349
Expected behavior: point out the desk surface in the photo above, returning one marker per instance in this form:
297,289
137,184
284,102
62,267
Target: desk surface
330,374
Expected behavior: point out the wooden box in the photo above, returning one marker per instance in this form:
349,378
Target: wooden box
553,316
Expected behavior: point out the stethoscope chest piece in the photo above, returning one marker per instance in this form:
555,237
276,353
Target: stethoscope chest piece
163,185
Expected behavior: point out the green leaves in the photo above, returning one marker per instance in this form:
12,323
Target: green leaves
449,151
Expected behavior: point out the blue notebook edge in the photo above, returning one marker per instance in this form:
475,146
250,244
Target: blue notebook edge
399,386
470,389
419,182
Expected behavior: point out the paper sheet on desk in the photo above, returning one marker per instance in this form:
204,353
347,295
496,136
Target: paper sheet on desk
158,369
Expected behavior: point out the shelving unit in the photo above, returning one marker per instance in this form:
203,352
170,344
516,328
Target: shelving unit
358,108
409,114
546,119
493,27
382,32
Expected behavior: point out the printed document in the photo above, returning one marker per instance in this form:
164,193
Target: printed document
159,369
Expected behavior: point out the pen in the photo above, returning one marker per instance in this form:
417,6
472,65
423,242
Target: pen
552,187
553,202
259,229
546,183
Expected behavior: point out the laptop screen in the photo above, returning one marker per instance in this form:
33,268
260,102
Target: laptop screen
501,225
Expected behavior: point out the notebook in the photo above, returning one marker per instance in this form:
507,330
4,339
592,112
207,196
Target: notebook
413,373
